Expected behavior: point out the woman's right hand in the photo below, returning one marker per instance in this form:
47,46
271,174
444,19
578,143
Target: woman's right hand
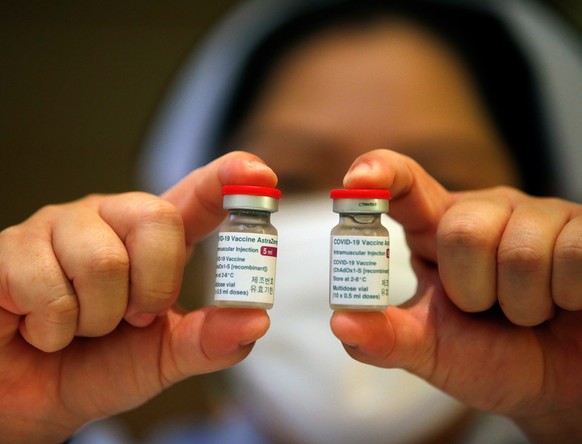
88,326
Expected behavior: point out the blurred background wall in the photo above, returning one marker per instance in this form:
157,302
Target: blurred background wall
79,82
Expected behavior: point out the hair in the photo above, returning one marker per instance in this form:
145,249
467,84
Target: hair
501,71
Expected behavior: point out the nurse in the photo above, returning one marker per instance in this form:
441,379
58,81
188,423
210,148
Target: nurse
314,88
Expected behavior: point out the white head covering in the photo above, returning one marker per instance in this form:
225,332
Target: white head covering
556,53
181,136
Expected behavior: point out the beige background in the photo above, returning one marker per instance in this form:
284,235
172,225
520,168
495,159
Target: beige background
79,82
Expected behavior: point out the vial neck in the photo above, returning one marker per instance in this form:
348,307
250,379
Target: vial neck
351,219
255,216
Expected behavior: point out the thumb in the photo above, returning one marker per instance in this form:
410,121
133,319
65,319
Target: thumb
395,338
464,355
413,336
198,196
210,339
403,336
418,201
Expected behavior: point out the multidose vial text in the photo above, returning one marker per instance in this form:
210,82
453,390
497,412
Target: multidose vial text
359,251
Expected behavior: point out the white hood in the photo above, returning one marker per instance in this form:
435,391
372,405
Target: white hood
180,137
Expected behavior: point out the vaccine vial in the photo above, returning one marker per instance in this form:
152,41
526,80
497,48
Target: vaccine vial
247,248
360,251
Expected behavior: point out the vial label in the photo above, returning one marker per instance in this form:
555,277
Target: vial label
245,267
359,270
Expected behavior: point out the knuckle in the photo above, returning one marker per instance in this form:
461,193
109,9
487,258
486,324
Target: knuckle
10,232
156,297
51,326
48,210
466,234
159,211
152,299
10,237
569,251
15,237
521,259
108,261
62,309
567,274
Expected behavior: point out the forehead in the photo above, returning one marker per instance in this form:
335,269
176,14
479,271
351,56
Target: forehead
344,92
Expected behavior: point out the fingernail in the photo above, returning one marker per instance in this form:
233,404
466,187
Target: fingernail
258,165
247,343
359,169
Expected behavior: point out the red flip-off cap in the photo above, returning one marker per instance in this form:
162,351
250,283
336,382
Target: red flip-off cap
251,190
360,194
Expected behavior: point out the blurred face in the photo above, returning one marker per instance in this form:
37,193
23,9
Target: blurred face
391,85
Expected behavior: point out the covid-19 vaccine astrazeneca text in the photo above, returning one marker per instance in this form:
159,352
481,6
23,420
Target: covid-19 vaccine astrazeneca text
360,251
247,248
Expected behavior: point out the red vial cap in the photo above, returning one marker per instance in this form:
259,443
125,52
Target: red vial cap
250,190
360,194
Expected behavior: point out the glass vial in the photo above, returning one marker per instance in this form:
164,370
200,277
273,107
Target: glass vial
247,248
360,251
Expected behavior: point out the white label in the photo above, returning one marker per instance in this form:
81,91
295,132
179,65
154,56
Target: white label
245,267
359,270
